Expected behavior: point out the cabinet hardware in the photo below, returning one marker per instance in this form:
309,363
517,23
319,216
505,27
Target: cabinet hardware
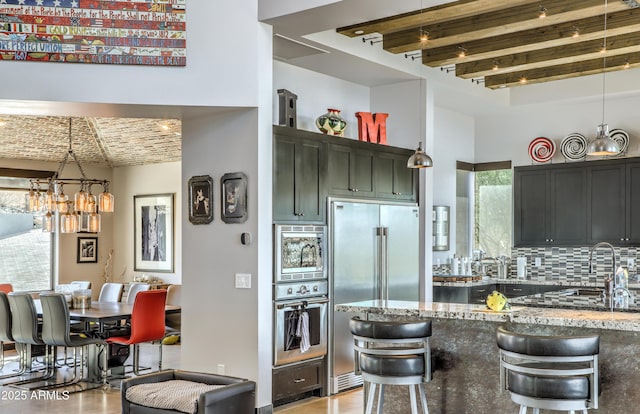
299,380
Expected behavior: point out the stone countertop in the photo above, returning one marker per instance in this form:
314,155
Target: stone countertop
607,320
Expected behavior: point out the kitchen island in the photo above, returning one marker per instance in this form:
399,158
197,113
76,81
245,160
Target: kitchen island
465,355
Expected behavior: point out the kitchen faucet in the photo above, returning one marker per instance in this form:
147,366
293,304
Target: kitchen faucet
609,282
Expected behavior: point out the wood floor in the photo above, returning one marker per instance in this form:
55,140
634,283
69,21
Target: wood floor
107,401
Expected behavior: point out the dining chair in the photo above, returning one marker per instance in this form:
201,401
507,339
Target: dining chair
5,330
6,287
26,334
111,292
134,288
56,331
147,323
173,321
80,284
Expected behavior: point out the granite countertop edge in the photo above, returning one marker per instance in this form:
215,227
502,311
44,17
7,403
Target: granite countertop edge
607,320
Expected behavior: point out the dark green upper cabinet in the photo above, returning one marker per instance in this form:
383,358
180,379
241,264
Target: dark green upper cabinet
298,187
393,180
350,171
578,204
549,206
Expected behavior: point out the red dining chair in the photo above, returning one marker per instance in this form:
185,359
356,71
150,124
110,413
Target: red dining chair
147,323
6,288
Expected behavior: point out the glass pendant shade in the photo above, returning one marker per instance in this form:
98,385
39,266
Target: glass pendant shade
80,200
105,202
49,201
94,223
48,222
603,144
90,206
62,206
419,159
69,222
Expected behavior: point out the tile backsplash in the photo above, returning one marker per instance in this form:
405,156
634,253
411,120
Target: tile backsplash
567,264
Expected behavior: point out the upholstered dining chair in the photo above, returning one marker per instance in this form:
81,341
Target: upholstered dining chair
147,323
5,330
26,334
173,321
6,287
56,331
111,292
134,288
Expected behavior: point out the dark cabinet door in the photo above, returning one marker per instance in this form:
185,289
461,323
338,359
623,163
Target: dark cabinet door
350,171
298,193
633,203
531,207
393,180
606,203
568,215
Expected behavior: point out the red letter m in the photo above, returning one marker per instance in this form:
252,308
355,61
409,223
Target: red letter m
372,127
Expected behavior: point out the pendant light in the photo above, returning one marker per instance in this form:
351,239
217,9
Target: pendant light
603,144
83,202
420,159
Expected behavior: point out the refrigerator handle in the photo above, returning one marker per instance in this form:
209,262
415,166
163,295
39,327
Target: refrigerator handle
382,263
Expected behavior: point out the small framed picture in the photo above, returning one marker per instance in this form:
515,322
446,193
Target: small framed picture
234,197
200,199
87,250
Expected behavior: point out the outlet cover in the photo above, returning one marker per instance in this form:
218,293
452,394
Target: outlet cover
243,280
630,262
538,261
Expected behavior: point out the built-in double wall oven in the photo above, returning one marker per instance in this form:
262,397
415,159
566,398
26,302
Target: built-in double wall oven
300,306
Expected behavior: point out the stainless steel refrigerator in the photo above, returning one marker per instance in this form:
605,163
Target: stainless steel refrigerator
374,255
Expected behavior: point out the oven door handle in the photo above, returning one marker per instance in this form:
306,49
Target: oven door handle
300,303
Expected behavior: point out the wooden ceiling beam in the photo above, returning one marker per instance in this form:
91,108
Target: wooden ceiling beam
566,71
549,36
579,51
516,19
437,14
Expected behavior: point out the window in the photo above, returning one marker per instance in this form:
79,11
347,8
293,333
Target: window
493,211
25,250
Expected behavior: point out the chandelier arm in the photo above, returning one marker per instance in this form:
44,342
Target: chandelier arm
73,154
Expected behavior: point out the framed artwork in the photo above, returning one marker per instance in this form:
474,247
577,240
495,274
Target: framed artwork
200,199
87,250
153,232
234,197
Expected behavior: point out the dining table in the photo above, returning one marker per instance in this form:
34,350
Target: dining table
103,315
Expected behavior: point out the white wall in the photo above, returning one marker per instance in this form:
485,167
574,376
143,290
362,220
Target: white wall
222,327
454,141
508,135
142,180
317,92
220,70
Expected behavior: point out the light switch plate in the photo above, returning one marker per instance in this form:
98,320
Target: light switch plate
243,280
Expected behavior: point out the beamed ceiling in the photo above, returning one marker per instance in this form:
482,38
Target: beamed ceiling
507,43
103,142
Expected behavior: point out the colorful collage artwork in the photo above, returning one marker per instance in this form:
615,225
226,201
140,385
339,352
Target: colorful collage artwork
120,32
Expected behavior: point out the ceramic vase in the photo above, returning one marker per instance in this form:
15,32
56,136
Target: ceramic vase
331,123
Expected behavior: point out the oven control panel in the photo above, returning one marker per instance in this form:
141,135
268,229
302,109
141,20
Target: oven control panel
300,290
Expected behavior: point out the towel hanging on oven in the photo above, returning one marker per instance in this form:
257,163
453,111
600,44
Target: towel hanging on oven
303,331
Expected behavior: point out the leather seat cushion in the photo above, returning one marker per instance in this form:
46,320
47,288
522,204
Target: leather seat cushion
565,388
548,345
392,365
390,329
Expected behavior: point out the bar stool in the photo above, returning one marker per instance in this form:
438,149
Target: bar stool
393,353
549,372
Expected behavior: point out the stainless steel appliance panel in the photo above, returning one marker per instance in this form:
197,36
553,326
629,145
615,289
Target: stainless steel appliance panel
374,254
354,270
402,243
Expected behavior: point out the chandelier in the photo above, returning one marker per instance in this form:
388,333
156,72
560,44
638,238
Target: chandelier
48,197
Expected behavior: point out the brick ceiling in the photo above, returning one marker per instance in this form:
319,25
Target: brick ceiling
104,142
